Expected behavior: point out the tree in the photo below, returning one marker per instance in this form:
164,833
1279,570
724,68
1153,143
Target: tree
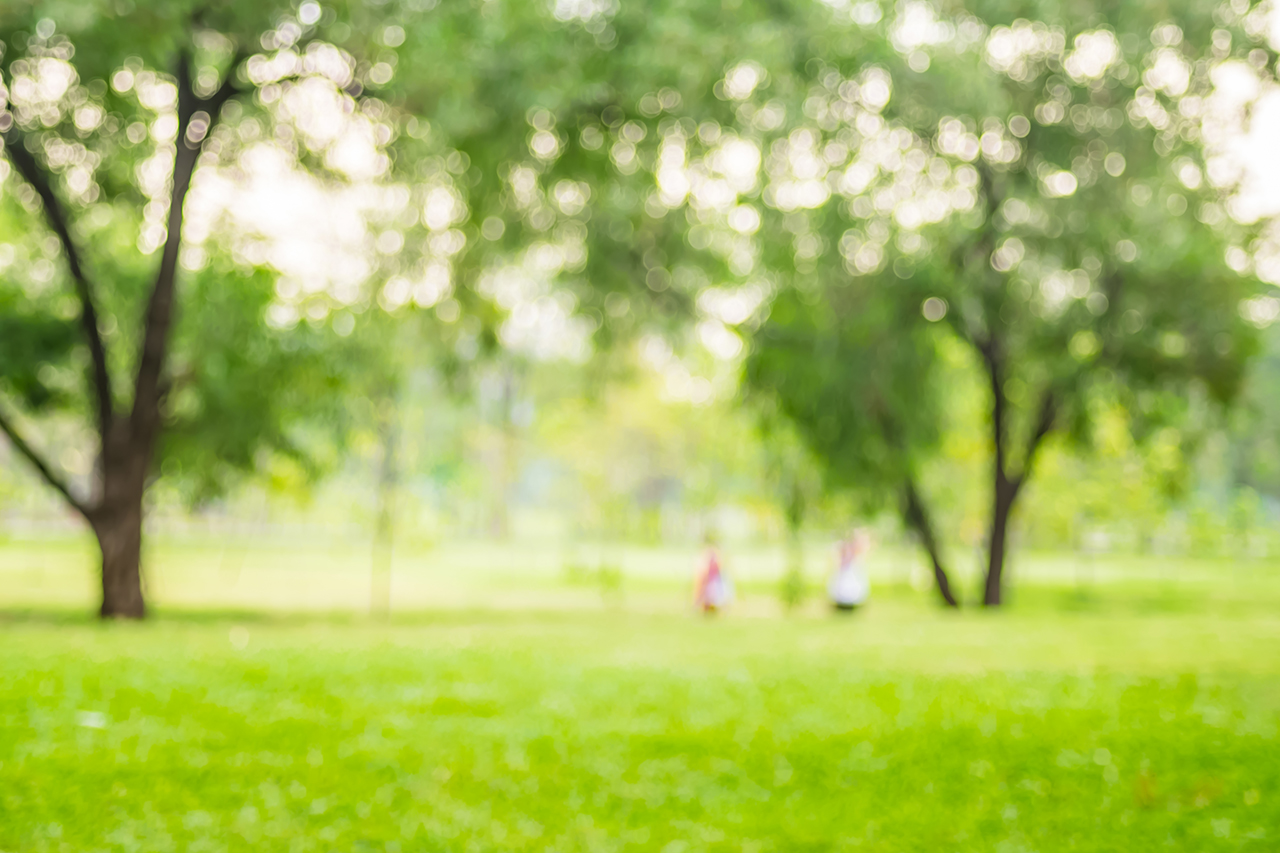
850,365
1080,269
1045,189
109,113
38,65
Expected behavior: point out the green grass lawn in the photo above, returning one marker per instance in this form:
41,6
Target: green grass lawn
1123,727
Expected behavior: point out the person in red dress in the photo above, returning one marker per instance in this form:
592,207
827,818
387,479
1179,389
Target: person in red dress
713,589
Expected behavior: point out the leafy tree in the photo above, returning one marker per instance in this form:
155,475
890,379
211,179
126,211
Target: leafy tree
109,113
1046,189
1095,260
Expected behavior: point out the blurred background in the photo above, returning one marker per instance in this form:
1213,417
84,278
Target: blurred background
405,364
552,315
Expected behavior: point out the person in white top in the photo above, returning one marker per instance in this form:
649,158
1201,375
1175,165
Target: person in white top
849,585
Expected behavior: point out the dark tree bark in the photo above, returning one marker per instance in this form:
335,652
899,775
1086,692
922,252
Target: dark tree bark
33,174
916,516
59,483
119,534
126,443
1006,486
1005,496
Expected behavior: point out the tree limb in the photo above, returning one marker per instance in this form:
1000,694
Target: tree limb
10,429
38,178
1048,413
987,179
159,316
914,511
916,515
989,348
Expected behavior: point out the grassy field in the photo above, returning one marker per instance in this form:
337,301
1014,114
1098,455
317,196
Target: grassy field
1124,716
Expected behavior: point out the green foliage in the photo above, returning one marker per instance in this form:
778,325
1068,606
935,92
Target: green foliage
851,367
609,580
92,91
1094,257
244,390
35,349
542,127
1116,484
563,133
603,575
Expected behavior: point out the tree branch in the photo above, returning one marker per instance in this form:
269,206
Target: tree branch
987,180
991,357
159,317
10,429
36,176
916,515
1048,413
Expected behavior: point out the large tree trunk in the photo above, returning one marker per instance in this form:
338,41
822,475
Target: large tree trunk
117,520
916,516
119,533
1005,495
